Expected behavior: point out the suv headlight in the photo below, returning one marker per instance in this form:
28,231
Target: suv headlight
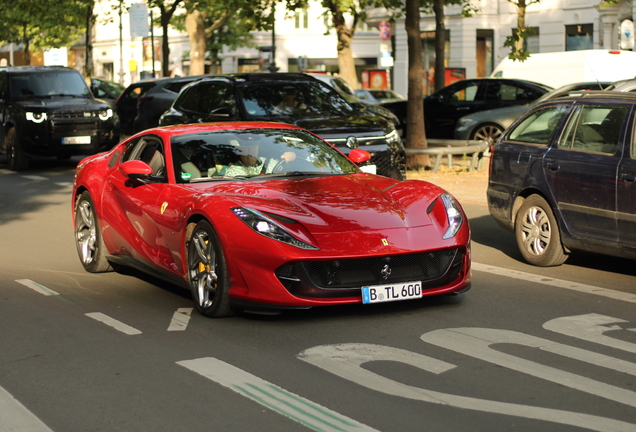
454,215
36,117
105,114
268,227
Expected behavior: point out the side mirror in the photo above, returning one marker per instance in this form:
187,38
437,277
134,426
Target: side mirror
135,169
358,156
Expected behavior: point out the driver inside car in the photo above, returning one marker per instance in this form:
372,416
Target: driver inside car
249,163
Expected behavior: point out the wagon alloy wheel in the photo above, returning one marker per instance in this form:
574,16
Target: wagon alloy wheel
207,271
88,238
489,133
537,233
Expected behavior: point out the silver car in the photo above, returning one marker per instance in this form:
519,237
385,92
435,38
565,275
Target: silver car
489,125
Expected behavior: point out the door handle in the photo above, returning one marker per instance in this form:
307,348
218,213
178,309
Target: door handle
630,177
554,166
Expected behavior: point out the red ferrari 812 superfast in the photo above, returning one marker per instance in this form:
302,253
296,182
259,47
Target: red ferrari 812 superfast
266,215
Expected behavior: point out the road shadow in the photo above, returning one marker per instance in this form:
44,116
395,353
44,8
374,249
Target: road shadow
487,232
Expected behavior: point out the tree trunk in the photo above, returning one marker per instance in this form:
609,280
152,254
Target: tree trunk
346,65
440,44
196,34
415,135
25,39
88,67
521,24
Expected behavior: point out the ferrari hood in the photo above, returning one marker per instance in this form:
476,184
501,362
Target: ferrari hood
357,202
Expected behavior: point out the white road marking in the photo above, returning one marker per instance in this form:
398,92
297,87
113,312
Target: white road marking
591,327
15,417
290,405
180,319
37,287
117,325
558,283
345,361
34,177
476,342
64,184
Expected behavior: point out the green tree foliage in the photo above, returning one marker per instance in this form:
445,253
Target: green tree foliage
39,24
519,35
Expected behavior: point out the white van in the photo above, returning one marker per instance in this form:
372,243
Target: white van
559,68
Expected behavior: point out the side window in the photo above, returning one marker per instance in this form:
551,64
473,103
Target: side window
538,127
463,94
205,98
148,149
594,128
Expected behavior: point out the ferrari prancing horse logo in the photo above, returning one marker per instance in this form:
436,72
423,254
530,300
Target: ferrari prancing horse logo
163,207
385,242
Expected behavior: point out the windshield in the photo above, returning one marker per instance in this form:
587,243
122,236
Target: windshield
262,153
298,99
48,84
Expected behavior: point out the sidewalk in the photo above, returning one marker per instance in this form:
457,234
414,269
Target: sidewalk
465,186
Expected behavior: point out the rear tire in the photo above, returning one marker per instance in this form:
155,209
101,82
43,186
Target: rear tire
537,233
16,158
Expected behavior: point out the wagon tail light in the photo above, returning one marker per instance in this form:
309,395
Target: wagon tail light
454,215
268,227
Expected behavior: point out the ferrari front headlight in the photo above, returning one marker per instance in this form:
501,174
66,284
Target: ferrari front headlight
268,227
453,214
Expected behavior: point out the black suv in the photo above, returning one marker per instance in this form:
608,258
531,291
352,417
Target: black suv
316,107
563,177
50,111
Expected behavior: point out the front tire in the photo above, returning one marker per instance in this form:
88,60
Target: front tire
16,158
537,233
207,271
88,237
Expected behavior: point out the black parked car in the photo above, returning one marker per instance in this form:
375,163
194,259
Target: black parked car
142,103
563,178
50,111
107,91
311,104
443,108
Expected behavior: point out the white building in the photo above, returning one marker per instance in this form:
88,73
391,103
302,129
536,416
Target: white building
474,46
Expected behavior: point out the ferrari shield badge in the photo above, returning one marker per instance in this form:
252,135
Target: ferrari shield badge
385,242
164,206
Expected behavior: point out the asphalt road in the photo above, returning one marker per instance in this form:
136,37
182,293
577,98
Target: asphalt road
526,349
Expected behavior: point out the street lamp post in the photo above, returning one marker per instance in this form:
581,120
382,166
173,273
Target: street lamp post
272,64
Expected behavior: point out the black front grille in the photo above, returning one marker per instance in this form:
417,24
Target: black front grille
379,271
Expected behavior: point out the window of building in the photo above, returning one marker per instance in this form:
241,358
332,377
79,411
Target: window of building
301,19
531,42
579,37
428,58
484,52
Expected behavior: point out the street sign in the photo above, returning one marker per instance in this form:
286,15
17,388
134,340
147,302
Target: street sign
627,34
138,20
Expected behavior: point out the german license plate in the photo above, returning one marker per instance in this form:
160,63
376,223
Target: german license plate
389,293
76,140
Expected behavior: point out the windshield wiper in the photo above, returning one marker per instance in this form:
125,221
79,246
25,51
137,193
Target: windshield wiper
296,174
217,178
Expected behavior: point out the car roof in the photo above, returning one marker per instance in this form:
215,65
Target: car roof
34,69
594,95
220,126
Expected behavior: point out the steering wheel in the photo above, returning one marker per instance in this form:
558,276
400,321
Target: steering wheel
279,167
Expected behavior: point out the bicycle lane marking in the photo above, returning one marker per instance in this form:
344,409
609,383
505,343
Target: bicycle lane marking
590,327
16,417
290,405
558,283
345,360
